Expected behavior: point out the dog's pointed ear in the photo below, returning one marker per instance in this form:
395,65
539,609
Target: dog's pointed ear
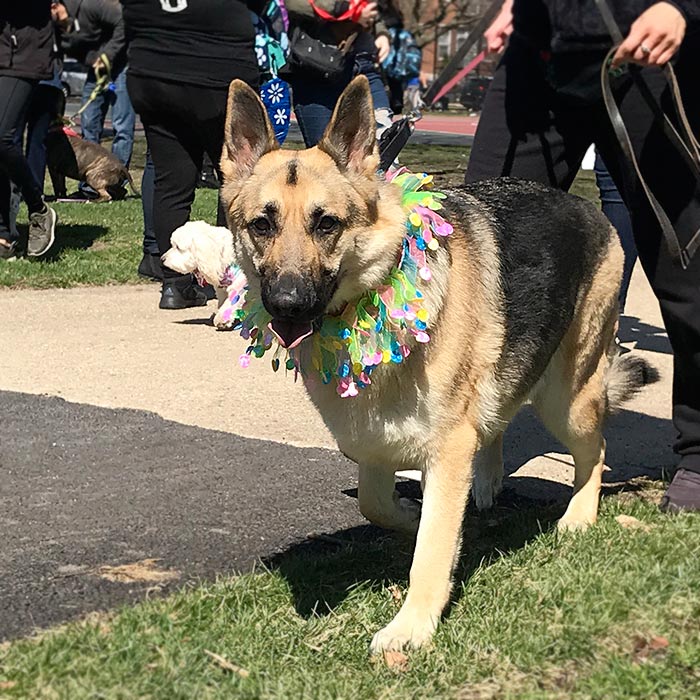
351,138
248,133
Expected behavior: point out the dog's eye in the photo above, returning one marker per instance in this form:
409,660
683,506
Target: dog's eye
261,226
327,224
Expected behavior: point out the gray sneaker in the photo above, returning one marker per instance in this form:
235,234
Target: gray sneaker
42,228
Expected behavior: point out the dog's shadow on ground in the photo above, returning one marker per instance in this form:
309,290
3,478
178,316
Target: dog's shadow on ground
321,571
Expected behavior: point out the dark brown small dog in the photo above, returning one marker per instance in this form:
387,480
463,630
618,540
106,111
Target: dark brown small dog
69,155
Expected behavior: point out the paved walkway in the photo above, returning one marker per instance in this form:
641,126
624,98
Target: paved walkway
211,466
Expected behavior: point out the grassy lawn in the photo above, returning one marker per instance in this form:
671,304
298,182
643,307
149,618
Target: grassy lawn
613,613
102,243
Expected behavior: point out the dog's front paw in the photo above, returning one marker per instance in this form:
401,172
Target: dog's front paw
222,321
405,630
572,523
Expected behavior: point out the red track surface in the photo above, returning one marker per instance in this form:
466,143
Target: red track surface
447,124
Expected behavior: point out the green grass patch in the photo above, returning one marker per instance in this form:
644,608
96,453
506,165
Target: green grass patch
610,613
100,244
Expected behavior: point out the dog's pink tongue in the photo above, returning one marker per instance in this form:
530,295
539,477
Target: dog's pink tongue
290,334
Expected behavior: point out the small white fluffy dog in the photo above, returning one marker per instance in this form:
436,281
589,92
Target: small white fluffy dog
206,251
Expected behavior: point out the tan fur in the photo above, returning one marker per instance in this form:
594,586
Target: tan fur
442,411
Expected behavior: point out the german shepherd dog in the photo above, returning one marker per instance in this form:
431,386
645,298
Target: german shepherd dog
523,308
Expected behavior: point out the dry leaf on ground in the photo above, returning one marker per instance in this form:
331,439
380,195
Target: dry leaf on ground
138,571
7,685
646,648
396,660
221,662
631,523
396,593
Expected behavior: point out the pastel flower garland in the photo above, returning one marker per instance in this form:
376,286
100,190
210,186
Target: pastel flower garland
377,329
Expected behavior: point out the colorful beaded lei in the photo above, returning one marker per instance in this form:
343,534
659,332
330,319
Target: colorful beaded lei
378,327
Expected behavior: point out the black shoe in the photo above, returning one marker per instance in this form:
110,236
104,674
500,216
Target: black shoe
181,294
150,267
683,492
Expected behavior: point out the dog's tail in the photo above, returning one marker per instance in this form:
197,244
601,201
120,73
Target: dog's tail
134,189
626,375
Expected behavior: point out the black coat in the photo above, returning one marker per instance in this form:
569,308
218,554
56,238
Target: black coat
195,42
577,25
26,39
96,28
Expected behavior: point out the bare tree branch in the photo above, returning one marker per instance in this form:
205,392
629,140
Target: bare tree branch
428,19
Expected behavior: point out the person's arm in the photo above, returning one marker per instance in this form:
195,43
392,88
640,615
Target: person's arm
655,35
382,41
500,29
109,14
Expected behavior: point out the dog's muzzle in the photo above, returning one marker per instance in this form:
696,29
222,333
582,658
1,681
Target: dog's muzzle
294,303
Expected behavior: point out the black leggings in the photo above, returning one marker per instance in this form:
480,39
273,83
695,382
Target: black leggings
15,94
529,131
182,122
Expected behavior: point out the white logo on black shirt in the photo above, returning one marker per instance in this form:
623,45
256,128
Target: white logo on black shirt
173,5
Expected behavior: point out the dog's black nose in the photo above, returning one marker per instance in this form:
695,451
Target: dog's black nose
289,296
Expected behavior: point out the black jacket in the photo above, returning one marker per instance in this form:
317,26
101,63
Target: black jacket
196,42
26,39
96,28
577,25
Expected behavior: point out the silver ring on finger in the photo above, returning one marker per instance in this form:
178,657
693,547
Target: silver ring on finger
644,49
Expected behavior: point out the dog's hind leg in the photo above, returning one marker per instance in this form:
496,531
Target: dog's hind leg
380,502
571,403
105,196
437,546
579,429
488,473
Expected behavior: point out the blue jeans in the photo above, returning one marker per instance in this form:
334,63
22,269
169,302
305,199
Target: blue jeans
92,120
616,211
315,99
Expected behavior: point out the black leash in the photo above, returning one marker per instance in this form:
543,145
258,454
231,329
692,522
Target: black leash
686,143
397,135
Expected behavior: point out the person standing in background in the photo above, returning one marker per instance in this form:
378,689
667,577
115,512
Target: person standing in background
182,55
26,48
544,109
93,33
314,94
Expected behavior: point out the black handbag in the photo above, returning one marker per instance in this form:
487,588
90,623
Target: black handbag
332,63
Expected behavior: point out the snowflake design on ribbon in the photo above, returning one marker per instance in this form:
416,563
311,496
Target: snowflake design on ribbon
275,93
280,117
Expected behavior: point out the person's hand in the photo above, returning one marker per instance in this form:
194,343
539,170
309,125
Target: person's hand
383,47
59,14
368,15
654,37
500,29
423,79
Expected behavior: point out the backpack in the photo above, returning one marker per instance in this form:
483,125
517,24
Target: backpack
404,59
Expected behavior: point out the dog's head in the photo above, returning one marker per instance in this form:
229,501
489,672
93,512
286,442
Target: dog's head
312,229
201,248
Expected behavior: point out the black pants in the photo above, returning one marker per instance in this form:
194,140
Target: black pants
182,122
531,131
15,95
